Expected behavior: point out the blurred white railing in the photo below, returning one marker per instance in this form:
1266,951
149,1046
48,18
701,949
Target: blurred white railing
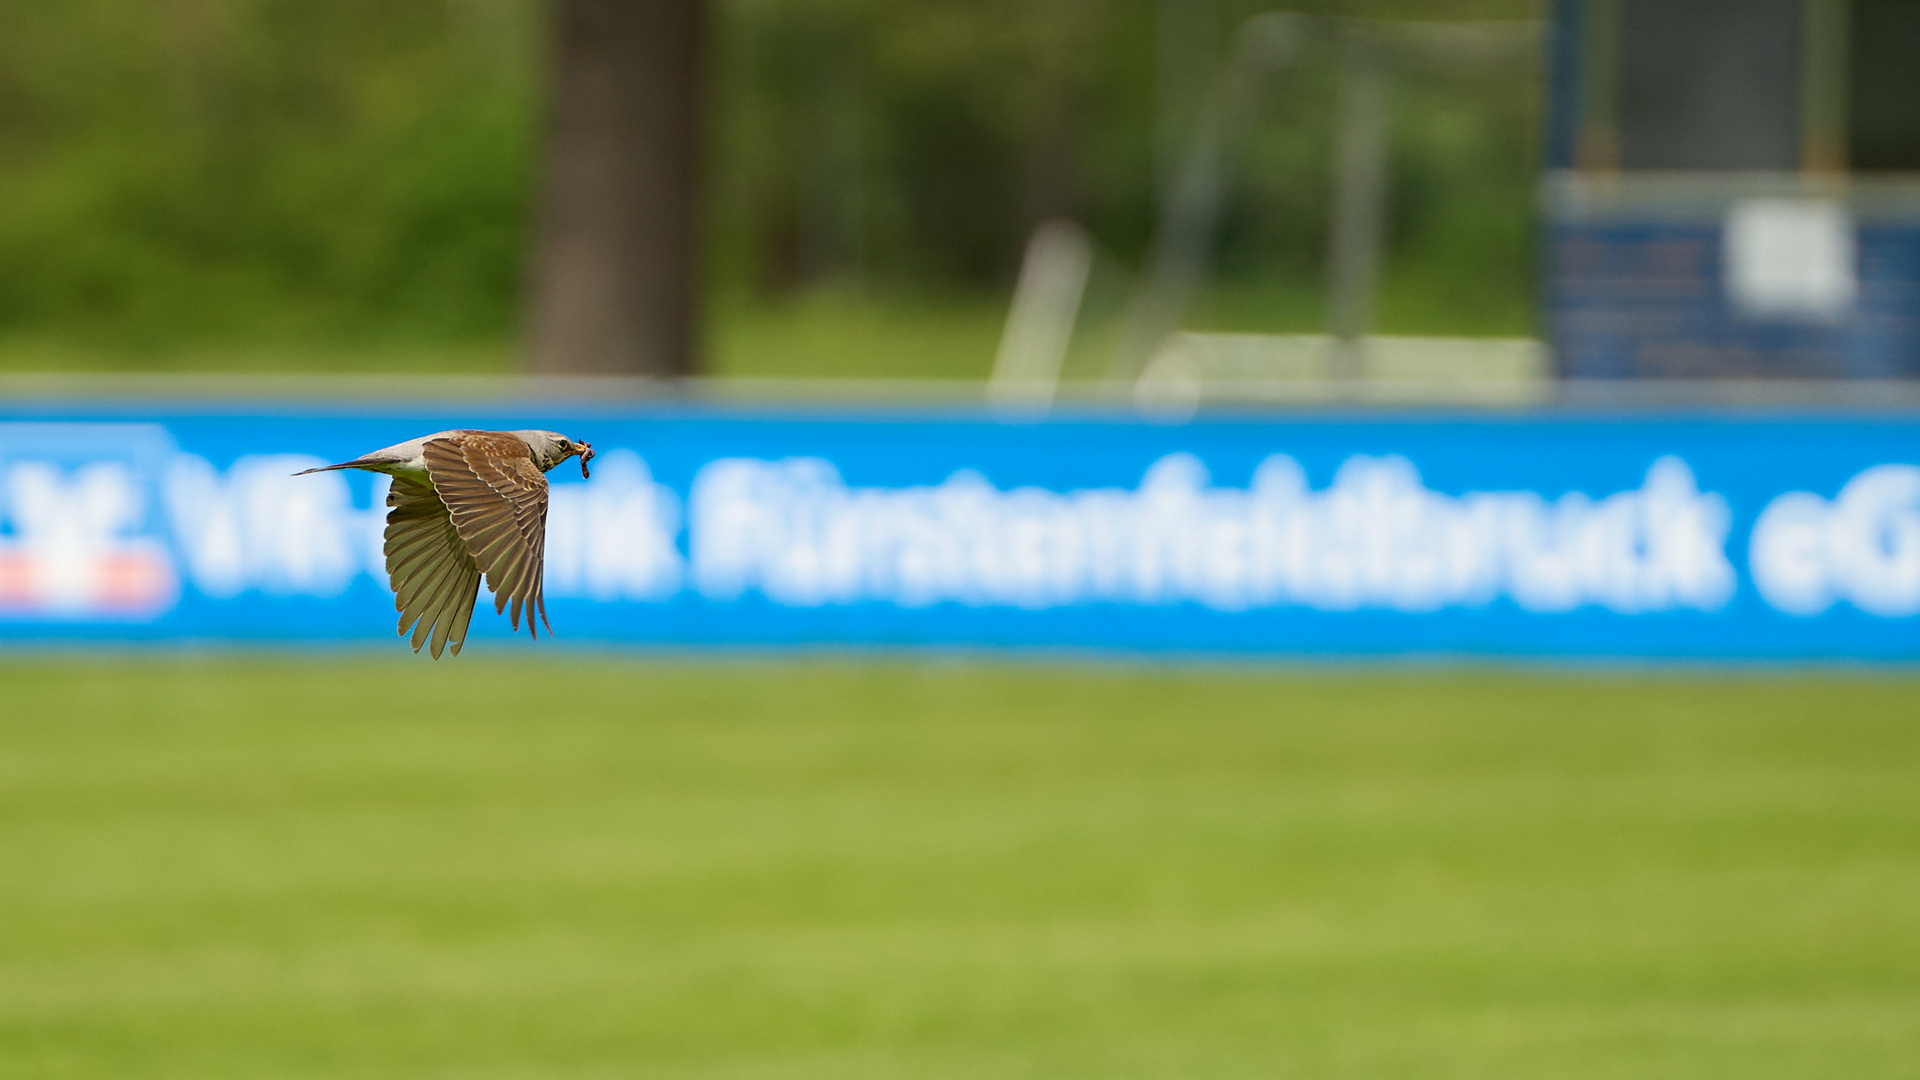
1172,393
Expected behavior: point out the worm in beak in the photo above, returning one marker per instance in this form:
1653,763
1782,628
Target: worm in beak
586,455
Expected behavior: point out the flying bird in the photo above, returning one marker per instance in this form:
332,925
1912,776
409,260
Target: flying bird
467,503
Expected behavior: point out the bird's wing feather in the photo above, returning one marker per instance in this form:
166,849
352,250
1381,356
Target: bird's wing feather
497,499
435,580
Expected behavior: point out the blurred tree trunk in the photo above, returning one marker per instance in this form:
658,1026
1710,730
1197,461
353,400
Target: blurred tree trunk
615,264
1050,181
1052,186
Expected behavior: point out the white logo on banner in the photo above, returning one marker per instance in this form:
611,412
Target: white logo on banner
1862,547
71,552
1376,537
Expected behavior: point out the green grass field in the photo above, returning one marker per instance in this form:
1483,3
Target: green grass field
493,868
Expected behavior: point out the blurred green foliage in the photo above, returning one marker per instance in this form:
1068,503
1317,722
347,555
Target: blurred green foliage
238,178
215,170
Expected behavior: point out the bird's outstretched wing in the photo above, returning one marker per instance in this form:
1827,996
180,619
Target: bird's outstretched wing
435,579
496,498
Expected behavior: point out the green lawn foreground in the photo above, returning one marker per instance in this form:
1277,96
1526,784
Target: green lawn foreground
498,868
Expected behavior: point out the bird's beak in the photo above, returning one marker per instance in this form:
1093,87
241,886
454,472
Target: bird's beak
586,455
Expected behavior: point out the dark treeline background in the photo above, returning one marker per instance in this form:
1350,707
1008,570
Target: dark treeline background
181,175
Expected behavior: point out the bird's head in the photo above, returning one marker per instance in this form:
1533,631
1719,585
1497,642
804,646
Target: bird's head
550,448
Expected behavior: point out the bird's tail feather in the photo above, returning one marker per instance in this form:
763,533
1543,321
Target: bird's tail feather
356,463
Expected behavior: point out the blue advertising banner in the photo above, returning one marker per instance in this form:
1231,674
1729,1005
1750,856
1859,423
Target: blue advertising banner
1710,536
